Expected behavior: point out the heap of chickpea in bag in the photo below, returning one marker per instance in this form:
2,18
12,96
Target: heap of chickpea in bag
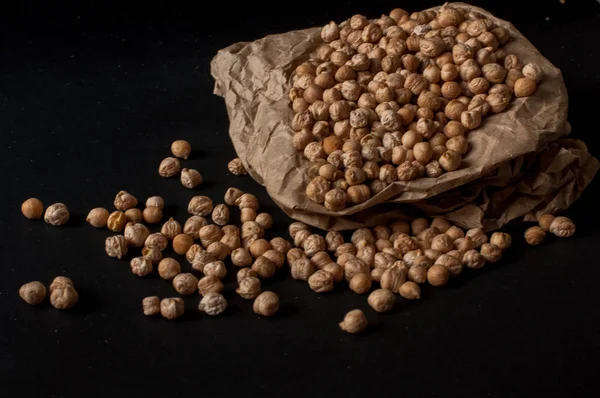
395,99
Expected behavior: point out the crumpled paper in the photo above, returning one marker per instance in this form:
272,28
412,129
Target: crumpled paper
519,164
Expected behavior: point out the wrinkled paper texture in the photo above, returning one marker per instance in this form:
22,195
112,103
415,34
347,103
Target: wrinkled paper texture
519,164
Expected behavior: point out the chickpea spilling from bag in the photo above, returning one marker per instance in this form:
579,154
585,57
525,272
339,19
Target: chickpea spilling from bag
394,99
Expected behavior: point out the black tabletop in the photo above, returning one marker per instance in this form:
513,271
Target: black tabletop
91,97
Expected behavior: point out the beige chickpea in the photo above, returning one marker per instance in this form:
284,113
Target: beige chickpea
192,251
317,189
454,264
321,281
241,257
450,160
477,236
172,308
562,227
135,234
358,194
354,322
116,246
473,259
266,304
545,221
201,259
501,239
336,199
200,206
209,234
264,267
169,167
381,300
219,250
168,268
185,283
490,252
302,268
535,235
141,266
232,195
525,87
455,233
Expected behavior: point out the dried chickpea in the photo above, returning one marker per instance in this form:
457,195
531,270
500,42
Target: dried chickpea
168,268
172,308
535,235
151,305
134,215
354,322
266,304
185,283
169,167
545,221
116,221
200,206
410,291
97,217
33,209
152,254
236,167
501,239
141,266
281,245
56,214
190,178
33,293
264,267
562,227
438,275
382,300
64,298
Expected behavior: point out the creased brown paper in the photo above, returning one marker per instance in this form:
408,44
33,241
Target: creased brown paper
517,166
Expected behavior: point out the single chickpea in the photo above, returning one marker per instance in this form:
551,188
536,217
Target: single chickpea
264,267
136,234
181,149
116,221
33,209
410,291
97,217
64,298
501,239
33,293
151,305
360,283
354,322
185,283
141,266
56,214
190,178
172,308
562,227
266,304
525,87
169,167
438,275
382,300
535,235
116,246
152,254
168,268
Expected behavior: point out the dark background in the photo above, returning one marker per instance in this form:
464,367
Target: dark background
91,97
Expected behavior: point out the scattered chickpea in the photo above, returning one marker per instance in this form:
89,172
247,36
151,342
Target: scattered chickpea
181,149
410,291
562,227
155,201
190,178
172,308
171,229
97,217
33,293
56,214
185,283
134,215
64,298
151,305
182,243
438,275
156,241
236,167
249,288
501,239
32,208
321,281
360,283
168,268
136,234
232,195
152,215
354,322
116,246
125,201
141,266
265,267
200,206
381,300
473,259
266,304
212,304
169,167
116,221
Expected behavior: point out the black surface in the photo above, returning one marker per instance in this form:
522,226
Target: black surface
91,98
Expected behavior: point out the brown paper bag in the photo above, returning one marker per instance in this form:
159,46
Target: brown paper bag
515,166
